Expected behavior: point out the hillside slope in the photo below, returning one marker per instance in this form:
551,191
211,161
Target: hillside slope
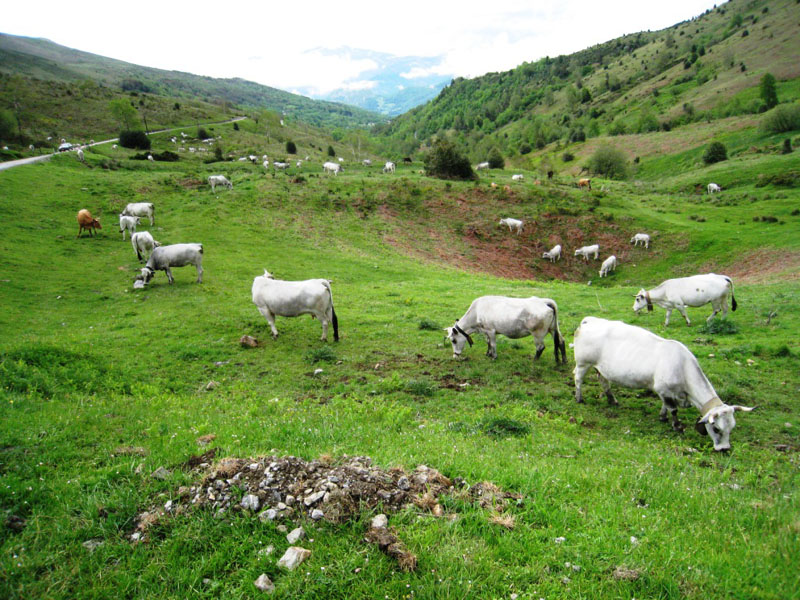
702,69
43,59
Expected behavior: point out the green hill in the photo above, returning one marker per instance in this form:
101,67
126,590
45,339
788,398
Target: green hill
45,60
698,71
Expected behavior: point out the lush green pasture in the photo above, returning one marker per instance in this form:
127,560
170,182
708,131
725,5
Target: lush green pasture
89,366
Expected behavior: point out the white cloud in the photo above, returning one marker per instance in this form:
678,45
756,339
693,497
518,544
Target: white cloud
274,44
355,86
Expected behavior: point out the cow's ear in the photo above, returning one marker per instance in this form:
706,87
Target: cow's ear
700,427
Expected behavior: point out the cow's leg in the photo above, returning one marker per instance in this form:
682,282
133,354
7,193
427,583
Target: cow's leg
491,341
666,321
682,309
324,320
715,308
607,389
270,319
579,371
539,341
199,272
169,274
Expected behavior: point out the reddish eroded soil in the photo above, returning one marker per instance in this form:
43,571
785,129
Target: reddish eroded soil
466,234
765,265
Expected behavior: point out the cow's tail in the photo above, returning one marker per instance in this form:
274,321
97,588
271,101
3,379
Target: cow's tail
733,298
334,318
558,339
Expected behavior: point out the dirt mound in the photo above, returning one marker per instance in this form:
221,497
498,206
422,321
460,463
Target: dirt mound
290,488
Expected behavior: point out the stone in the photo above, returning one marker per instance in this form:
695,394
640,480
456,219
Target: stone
293,557
403,483
264,583
313,498
248,341
318,372
317,514
282,528
90,545
251,502
560,540
160,473
379,522
267,515
289,500
295,535
266,551
211,385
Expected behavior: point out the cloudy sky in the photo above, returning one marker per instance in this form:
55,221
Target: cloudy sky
282,44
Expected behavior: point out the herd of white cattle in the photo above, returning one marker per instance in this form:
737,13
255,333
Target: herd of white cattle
620,353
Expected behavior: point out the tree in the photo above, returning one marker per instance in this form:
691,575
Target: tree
496,159
331,151
7,124
291,148
609,162
715,152
134,139
123,112
446,162
768,93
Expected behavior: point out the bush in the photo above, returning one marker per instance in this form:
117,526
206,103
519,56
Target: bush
716,152
609,162
719,327
324,354
787,146
577,135
525,148
428,325
503,427
136,140
236,127
496,159
767,90
446,162
420,387
331,151
291,148
202,134
782,118
568,156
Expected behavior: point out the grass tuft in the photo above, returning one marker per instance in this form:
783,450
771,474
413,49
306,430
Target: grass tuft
324,354
719,327
502,427
428,325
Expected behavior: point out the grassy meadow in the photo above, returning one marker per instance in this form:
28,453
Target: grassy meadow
101,385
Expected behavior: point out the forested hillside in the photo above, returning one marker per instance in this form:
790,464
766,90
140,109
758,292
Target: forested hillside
44,60
703,69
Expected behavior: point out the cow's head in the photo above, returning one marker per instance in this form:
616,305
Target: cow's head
458,337
144,277
718,424
642,300
268,275
96,224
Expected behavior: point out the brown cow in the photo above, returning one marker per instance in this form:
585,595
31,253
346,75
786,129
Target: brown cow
582,183
86,221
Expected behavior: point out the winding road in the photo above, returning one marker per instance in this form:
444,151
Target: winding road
34,159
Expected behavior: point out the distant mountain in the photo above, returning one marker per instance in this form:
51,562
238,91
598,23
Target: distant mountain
42,59
393,86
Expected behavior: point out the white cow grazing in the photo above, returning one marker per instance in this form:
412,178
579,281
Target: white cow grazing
150,157
298,164
340,159
389,167
366,162
585,251
141,209
143,244
332,167
274,297
482,166
266,164
164,258
641,237
215,180
512,317
280,165
553,254
636,358
696,290
609,264
80,155
114,147
127,223
513,224
517,177
713,187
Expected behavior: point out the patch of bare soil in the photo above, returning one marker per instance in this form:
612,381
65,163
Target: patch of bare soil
479,244
191,183
284,488
765,265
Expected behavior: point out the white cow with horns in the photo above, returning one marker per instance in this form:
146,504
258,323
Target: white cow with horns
696,290
274,297
215,180
141,209
512,317
164,258
512,224
553,254
633,357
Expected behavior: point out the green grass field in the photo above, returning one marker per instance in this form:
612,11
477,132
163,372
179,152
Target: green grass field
89,367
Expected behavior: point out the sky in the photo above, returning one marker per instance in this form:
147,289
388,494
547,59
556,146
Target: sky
282,44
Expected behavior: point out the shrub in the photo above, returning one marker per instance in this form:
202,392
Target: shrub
136,140
609,162
496,159
719,327
716,152
617,128
446,162
503,427
324,354
525,148
176,106
767,90
787,146
236,127
331,151
782,118
291,148
202,134
428,325
420,387
568,156
577,135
